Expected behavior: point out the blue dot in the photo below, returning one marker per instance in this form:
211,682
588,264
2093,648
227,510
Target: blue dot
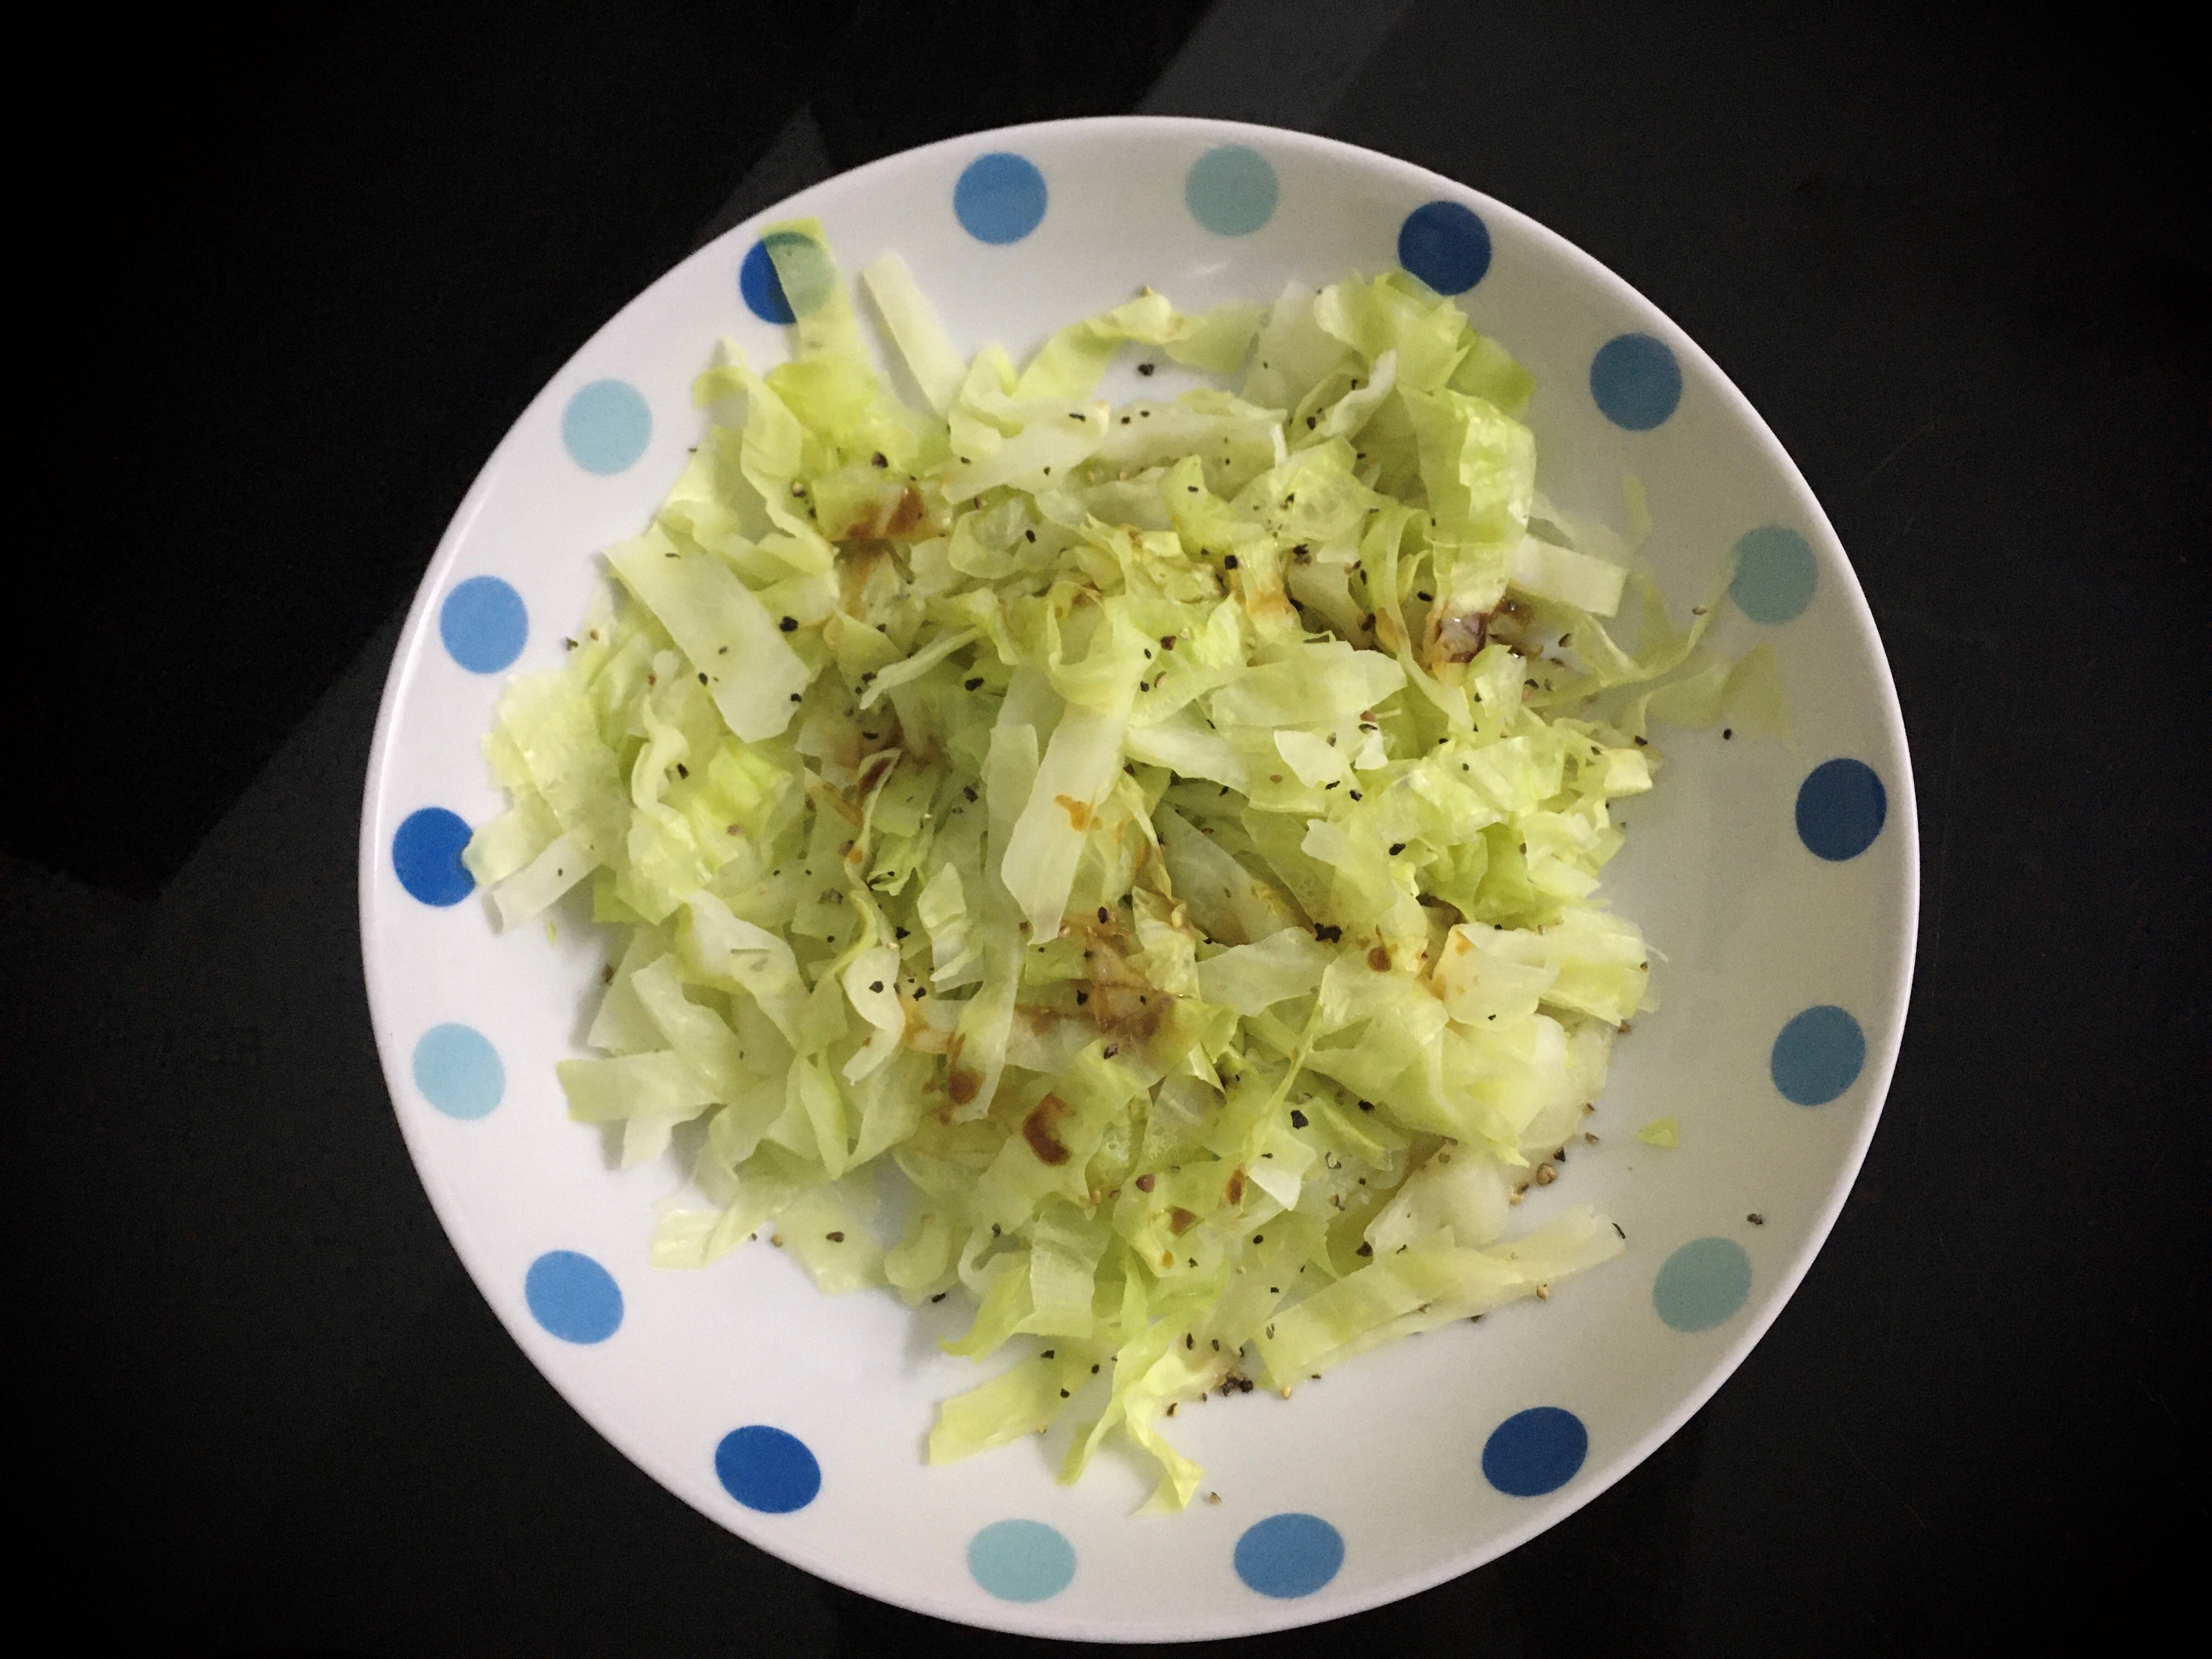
1841,806
762,289
767,1469
426,856
1535,1451
1446,245
483,624
606,426
1702,1284
572,1297
459,1072
999,198
1230,191
1818,1055
1021,1561
1775,574
1636,380
1289,1555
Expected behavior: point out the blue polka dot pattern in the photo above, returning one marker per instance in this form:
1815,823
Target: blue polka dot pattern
1702,1284
1535,1451
572,1297
458,1071
1841,807
426,856
1446,245
1001,197
1230,191
1818,1055
484,625
768,1470
760,288
1636,380
1289,1555
606,427
1775,574
1021,1561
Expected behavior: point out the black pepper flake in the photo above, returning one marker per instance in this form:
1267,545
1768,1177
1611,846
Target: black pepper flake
1396,847
1329,933
1355,795
969,790
794,696
1756,1219
919,992
702,677
1112,1050
1230,564
1146,368
835,1238
1298,1118
1366,1106
898,933
682,770
970,684
1365,1249
1102,915
1188,1340
1082,997
1424,596
940,1295
1048,1353
1259,1238
1728,731
877,986
1063,1393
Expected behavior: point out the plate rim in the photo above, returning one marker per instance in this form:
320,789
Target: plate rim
1264,1615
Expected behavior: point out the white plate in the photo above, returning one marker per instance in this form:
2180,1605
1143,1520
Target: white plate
1751,867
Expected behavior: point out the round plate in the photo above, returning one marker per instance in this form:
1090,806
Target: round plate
1778,878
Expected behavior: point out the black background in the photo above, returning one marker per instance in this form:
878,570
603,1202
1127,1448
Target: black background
304,273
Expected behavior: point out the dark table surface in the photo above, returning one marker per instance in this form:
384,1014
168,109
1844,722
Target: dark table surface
1958,264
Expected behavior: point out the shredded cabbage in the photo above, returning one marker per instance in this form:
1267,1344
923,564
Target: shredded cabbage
1166,836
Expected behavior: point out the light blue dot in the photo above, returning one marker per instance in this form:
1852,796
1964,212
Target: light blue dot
426,856
1775,574
1001,197
1289,1555
767,1469
1636,380
1230,191
1841,807
606,426
761,290
1446,245
1702,1284
572,1297
1818,1055
483,624
1021,1561
1535,1451
459,1072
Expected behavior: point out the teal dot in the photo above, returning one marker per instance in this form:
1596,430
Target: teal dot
1291,1555
1775,574
459,1072
1818,1055
572,1297
1230,191
1702,1284
606,427
1636,381
1021,1561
